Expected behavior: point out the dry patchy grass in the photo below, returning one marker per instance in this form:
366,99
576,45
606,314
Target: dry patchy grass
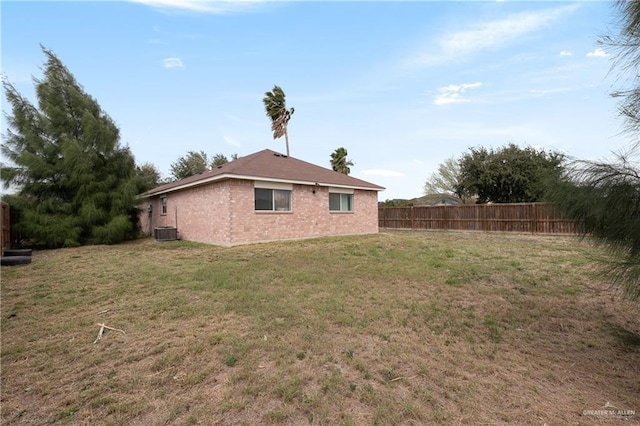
394,328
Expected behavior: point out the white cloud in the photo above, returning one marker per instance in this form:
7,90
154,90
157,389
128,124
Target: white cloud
546,92
230,141
598,53
172,63
453,94
565,53
489,35
203,6
382,172
496,33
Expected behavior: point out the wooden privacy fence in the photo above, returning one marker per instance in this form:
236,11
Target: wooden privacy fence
521,217
5,235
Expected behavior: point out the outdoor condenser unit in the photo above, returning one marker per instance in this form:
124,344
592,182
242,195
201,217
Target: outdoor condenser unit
166,234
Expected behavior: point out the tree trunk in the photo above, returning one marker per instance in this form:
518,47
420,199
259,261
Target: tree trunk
286,140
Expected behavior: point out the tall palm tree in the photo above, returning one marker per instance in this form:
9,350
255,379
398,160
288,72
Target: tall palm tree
339,161
275,106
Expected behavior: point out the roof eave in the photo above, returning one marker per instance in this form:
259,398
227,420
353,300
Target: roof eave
249,177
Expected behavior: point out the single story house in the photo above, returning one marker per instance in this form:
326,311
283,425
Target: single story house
265,196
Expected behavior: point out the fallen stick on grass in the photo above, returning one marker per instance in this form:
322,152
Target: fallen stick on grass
400,378
102,327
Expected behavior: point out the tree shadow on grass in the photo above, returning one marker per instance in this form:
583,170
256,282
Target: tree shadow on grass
629,340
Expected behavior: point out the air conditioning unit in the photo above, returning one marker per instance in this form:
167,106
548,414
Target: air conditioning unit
166,233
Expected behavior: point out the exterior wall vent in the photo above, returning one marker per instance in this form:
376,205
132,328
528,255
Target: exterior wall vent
166,233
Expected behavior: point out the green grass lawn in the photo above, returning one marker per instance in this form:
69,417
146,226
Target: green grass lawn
393,328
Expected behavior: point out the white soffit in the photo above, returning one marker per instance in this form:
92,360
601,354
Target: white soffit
337,190
273,185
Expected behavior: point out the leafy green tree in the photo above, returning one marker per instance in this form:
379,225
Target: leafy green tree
148,177
275,106
397,203
446,180
75,183
339,161
507,175
189,165
603,197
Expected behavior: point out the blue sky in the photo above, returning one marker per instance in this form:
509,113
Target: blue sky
401,85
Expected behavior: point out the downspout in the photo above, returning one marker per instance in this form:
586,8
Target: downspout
150,210
176,219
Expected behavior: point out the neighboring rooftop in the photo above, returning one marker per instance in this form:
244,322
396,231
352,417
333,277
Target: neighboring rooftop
436,200
268,165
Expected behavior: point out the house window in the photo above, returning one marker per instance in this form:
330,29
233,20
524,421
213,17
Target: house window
164,205
339,202
273,199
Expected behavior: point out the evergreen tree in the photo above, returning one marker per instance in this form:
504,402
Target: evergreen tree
603,197
196,162
624,41
148,177
189,165
76,184
218,160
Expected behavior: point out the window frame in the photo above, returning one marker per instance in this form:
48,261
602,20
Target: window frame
345,200
277,190
163,205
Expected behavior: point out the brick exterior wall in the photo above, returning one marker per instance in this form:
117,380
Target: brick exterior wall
223,213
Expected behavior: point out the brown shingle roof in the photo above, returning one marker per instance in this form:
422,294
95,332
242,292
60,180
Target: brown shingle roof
268,165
